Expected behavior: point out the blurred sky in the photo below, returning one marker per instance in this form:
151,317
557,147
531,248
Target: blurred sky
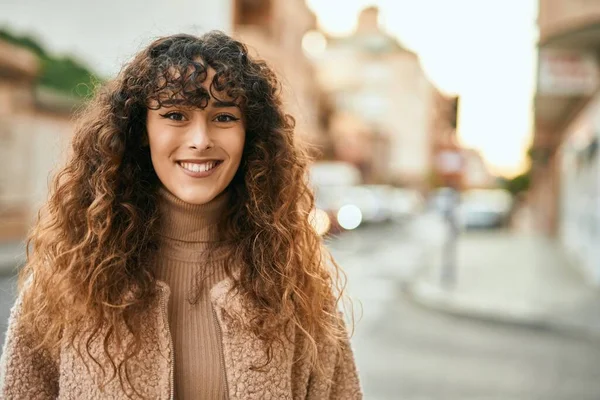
480,49
483,50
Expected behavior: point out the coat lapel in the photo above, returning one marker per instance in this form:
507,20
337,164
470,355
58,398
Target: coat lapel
245,355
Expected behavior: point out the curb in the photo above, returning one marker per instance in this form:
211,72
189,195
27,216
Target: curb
531,319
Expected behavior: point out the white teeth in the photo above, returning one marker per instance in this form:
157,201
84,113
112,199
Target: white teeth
195,167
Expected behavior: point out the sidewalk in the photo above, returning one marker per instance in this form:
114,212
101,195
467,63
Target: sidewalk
515,278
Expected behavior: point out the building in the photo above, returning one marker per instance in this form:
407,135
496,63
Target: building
274,30
453,165
369,75
447,157
565,182
476,174
35,127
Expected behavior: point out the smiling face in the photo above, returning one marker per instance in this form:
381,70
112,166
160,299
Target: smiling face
196,151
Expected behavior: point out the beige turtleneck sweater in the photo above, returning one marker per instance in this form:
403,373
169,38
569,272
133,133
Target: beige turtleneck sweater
186,232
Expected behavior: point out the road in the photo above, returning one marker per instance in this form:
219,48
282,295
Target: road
406,352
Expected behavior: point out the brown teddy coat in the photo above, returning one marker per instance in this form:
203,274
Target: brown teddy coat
29,375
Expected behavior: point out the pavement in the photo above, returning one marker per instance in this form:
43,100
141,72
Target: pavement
406,350
512,278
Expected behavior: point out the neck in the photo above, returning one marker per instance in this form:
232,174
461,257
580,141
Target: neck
189,226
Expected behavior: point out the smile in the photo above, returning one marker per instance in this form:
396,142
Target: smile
199,169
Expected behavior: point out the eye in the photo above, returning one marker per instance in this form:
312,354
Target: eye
224,118
174,116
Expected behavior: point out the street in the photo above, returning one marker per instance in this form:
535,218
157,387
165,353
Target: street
405,351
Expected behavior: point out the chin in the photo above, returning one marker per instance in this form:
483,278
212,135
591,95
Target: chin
196,196
198,199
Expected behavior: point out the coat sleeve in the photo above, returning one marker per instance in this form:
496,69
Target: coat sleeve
25,373
340,381
345,381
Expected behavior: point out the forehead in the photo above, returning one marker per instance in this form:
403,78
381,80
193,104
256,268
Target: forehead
197,85
195,73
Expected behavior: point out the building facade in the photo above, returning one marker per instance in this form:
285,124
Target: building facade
274,29
370,76
35,128
448,161
565,171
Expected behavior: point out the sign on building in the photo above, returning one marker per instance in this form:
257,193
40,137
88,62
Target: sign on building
567,72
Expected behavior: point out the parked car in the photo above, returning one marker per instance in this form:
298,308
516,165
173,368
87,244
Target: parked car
484,208
406,203
374,201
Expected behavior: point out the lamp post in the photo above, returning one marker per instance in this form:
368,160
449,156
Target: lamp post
450,164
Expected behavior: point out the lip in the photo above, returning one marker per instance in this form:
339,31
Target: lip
199,174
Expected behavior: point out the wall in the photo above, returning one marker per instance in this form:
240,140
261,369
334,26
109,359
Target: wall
579,201
278,40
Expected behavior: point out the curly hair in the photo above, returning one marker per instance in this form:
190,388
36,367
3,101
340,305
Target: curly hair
88,263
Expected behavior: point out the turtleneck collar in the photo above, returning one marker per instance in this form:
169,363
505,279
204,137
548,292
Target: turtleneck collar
192,223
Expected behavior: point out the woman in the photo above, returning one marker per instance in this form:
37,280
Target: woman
174,258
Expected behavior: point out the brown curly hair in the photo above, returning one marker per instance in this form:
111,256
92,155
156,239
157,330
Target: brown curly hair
89,255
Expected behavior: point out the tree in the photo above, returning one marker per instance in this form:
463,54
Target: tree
518,184
61,73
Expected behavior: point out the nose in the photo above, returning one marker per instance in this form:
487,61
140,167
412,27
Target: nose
199,136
